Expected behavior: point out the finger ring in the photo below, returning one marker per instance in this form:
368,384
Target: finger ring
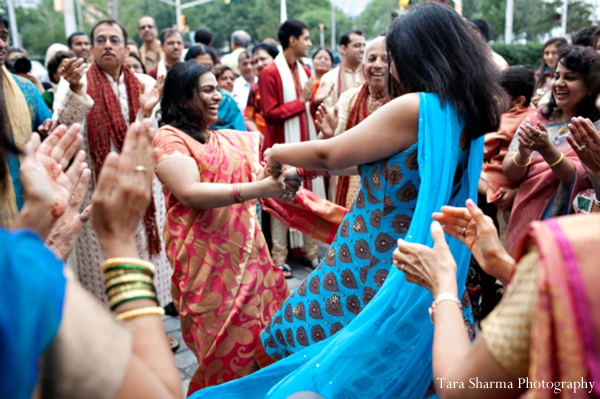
463,231
531,144
402,266
141,168
62,69
582,147
539,135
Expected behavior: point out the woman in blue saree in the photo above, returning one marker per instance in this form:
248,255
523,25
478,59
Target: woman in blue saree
448,101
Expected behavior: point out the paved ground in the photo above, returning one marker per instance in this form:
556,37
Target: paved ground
186,361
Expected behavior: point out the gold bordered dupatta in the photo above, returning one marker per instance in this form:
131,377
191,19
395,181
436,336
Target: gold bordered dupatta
20,128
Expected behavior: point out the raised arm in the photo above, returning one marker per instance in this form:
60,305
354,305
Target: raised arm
390,129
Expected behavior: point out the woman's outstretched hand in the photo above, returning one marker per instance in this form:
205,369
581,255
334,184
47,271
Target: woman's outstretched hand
431,268
123,192
477,231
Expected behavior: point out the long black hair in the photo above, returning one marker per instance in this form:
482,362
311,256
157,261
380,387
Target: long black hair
557,42
200,49
585,61
181,89
435,50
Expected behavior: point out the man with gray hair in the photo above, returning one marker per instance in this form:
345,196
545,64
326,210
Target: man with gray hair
240,40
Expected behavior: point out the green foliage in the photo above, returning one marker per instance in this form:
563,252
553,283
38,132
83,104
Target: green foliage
520,54
531,17
39,28
260,18
376,17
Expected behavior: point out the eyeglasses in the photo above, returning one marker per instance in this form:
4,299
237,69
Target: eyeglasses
145,27
101,41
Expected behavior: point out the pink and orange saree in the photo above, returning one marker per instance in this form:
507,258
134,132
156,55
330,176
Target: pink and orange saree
541,195
224,285
565,339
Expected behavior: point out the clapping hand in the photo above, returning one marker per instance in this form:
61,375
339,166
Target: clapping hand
123,192
322,93
149,100
532,138
477,231
327,121
49,191
585,141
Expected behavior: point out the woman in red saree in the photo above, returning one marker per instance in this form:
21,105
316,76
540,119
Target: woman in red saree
224,284
539,157
543,338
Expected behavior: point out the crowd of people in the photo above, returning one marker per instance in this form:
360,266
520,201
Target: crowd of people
167,177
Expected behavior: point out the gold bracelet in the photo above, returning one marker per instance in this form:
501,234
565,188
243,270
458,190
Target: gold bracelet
518,164
130,269
126,272
239,193
562,156
232,186
119,289
126,261
149,311
130,296
128,278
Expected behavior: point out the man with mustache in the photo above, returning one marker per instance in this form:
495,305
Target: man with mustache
105,100
171,43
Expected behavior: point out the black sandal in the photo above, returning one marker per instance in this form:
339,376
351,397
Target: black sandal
286,270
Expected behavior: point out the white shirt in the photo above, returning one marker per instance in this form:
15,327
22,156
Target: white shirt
241,91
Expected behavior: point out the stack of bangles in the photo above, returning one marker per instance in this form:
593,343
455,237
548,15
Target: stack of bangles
307,174
130,279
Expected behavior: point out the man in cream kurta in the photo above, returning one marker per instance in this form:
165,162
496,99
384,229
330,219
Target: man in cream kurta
72,105
349,73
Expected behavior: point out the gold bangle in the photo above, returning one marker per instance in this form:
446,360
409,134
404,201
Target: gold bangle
149,311
130,296
518,164
126,261
128,278
239,193
130,269
118,289
562,156
125,272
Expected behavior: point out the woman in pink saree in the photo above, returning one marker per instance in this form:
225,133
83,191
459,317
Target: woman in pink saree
225,286
539,158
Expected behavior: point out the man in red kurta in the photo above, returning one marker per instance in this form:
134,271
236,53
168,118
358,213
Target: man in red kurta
285,109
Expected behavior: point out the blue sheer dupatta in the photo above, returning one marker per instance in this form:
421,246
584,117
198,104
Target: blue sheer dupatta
386,351
32,290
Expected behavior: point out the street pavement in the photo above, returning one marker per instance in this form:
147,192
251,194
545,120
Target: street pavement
185,359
